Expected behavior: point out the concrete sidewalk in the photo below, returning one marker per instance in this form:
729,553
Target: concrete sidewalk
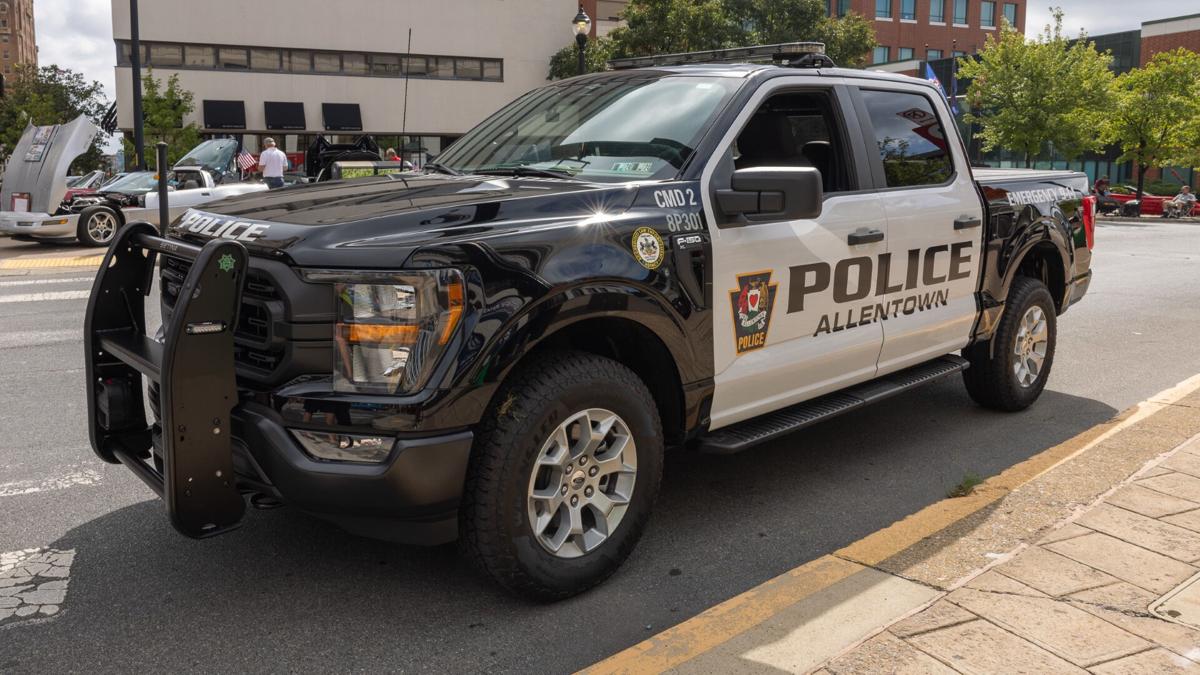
1058,564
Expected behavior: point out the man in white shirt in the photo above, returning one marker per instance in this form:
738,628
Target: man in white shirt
272,162
1181,204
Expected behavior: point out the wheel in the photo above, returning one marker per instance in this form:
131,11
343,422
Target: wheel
1009,372
564,472
98,225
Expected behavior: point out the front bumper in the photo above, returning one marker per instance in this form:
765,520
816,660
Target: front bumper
211,447
38,225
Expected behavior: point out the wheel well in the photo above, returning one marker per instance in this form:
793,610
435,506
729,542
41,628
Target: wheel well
637,348
1043,263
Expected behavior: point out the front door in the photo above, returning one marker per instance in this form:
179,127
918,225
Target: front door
788,295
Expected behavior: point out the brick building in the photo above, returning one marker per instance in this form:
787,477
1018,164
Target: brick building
1165,35
17,43
927,30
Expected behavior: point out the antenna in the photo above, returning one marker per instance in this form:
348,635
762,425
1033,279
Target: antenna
404,115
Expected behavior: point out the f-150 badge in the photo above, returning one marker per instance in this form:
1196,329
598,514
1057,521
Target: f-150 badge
752,303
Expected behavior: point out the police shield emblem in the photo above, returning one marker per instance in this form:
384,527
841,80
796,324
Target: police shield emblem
752,303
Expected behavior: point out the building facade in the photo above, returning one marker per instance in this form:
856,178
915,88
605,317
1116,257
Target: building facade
927,30
18,45
294,69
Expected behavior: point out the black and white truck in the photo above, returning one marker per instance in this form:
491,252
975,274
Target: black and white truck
499,350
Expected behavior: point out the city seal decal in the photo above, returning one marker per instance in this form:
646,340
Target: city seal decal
648,248
752,303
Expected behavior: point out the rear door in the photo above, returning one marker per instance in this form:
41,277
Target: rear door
935,225
787,294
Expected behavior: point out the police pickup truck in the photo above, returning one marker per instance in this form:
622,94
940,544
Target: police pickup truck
499,350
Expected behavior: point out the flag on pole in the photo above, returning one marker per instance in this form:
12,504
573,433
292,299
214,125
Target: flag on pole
932,77
246,161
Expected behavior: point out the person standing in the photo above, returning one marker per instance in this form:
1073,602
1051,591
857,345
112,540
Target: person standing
272,162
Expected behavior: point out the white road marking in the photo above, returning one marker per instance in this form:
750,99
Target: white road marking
34,338
30,282
72,478
33,583
45,297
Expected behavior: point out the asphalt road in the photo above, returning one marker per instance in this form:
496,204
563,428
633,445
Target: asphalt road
290,593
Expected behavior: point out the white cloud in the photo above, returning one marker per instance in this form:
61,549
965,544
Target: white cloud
1100,16
77,34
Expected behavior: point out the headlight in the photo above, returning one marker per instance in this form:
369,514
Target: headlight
391,328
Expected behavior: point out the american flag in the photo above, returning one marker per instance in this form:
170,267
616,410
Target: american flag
246,161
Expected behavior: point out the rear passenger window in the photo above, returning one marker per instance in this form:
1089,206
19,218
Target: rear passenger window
911,142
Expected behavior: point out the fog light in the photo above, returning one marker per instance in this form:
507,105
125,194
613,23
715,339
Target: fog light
345,447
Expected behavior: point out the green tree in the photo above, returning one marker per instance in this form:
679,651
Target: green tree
565,62
163,112
50,95
673,26
1156,115
1029,93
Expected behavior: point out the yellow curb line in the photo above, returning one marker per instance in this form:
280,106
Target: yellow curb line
41,263
720,623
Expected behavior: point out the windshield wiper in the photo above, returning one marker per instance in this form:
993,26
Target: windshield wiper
526,171
441,168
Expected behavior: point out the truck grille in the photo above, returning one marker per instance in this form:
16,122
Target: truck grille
253,343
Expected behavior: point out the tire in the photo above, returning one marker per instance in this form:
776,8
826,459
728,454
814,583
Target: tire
996,378
98,226
498,513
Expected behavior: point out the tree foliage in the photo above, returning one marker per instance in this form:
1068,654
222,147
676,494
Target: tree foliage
164,108
1156,113
565,62
1026,93
50,95
673,26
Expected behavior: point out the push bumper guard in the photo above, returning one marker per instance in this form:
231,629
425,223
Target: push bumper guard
193,367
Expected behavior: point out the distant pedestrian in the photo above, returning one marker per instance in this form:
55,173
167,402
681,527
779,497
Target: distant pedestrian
1182,204
272,162
1105,202
390,155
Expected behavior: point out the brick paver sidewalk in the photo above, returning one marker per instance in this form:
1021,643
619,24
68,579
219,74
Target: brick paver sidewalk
1077,601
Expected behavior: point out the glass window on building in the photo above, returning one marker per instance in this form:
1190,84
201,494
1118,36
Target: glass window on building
843,7
415,66
908,9
126,57
264,59
164,56
442,67
468,69
906,131
385,65
233,58
958,53
1010,13
492,70
960,12
198,56
881,55
987,14
933,54
324,62
937,11
883,9
297,61
905,54
354,64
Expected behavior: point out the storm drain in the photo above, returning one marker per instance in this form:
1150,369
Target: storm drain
1181,604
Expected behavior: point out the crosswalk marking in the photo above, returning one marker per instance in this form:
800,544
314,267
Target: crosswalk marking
70,479
45,297
35,338
31,282
33,583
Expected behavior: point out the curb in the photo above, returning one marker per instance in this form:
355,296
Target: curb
801,596
89,261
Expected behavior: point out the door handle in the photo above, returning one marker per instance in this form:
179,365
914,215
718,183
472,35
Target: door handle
967,222
864,237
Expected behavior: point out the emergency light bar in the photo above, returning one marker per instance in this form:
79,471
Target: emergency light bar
794,54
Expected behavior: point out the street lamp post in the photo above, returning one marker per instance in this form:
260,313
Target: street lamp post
582,25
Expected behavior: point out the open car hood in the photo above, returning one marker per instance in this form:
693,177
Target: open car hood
38,164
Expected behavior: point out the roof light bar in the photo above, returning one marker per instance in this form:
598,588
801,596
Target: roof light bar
785,52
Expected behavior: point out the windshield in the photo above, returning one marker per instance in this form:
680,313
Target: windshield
612,129
141,181
214,155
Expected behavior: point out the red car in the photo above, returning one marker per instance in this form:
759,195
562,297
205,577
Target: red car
84,185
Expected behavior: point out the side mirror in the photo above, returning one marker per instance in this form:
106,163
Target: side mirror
764,193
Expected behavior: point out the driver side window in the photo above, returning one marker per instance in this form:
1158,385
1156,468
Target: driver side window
796,129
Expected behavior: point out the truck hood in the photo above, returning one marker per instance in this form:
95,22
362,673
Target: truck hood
39,162
363,223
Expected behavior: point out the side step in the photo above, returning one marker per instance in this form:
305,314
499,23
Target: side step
743,435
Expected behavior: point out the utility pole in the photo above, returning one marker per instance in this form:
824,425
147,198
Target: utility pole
135,59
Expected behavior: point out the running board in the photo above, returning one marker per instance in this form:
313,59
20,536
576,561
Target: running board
743,435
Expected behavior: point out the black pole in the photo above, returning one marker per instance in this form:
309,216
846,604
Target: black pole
581,41
135,59
404,115
164,212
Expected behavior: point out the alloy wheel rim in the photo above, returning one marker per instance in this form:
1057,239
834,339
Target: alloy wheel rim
1030,347
102,226
581,483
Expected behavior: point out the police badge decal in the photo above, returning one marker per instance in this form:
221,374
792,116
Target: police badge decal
752,303
648,248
